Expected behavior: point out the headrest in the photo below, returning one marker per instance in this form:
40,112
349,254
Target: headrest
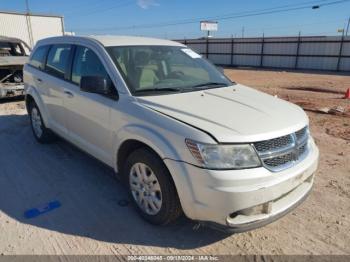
142,58
64,55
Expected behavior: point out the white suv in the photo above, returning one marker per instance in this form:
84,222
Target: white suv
182,136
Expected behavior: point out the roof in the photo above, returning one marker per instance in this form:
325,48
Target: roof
9,39
110,40
13,40
107,41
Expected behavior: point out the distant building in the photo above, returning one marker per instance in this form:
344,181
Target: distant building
30,27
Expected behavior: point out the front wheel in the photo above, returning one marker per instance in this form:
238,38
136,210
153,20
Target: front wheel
152,188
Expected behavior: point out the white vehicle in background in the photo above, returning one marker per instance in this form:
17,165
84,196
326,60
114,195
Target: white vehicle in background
181,135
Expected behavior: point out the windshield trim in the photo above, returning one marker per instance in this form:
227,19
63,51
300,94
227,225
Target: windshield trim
161,93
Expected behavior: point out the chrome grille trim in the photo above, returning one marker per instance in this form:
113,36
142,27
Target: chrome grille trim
268,145
283,152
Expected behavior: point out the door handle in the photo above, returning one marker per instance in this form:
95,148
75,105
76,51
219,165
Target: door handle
68,93
39,80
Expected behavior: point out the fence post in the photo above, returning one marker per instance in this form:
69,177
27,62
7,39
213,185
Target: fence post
297,53
207,48
340,51
232,49
262,51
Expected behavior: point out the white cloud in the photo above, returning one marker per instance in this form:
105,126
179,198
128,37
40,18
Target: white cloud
145,4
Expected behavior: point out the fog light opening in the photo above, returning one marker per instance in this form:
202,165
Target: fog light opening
256,210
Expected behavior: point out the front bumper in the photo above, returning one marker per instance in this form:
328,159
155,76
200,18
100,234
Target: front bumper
242,200
11,90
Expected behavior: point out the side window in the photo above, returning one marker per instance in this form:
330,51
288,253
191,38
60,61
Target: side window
57,60
86,63
38,58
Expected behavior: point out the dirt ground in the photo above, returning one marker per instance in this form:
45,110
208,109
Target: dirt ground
93,217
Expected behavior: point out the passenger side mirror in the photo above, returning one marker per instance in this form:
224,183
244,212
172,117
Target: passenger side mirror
96,84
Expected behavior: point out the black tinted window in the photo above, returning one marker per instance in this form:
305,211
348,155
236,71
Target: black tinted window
86,63
57,60
38,58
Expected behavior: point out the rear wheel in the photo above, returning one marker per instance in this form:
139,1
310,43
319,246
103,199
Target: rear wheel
41,133
151,187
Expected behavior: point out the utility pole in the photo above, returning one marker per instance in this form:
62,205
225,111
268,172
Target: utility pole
29,24
242,31
347,27
27,7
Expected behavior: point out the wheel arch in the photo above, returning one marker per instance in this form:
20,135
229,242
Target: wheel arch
180,180
33,96
136,135
129,146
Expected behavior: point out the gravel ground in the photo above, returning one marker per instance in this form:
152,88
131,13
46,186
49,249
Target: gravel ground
94,218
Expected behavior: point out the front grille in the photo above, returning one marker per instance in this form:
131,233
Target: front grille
285,151
302,133
279,160
268,145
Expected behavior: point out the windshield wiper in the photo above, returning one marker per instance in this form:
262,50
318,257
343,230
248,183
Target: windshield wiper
211,84
164,89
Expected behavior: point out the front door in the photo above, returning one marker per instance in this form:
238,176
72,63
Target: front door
88,114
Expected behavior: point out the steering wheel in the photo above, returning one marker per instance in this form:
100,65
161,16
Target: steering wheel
176,74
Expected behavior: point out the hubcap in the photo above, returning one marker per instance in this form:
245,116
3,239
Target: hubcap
36,122
145,188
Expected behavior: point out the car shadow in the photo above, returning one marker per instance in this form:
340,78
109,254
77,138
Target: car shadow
94,204
11,99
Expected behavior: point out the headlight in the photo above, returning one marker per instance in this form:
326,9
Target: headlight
224,156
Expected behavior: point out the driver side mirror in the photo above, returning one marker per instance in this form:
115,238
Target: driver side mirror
96,84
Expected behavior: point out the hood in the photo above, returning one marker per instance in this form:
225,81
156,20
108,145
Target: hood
13,60
231,114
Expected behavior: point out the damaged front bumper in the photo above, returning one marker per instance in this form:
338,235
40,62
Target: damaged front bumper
8,90
242,200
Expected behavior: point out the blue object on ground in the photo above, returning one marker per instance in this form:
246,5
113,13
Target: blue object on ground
34,212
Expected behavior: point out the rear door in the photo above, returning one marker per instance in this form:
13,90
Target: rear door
53,82
88,114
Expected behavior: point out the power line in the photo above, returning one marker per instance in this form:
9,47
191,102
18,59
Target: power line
288,26
72,8
261,10
105,9
217,17
347,27
279,9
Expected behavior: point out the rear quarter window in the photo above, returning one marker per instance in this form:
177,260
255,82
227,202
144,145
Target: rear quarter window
38,58
58,59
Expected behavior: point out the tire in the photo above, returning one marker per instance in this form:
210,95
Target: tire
42,134
158,208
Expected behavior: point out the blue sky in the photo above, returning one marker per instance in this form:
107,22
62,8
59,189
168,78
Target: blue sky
125,16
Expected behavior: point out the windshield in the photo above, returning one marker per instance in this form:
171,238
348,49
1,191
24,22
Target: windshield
11,49
150,70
